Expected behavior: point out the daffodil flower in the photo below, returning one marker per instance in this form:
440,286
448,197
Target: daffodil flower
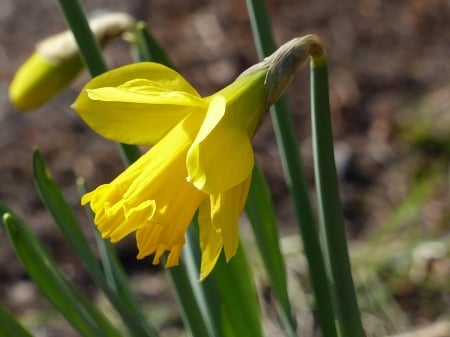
201,157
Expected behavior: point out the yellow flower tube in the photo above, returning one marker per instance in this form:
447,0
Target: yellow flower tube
201,158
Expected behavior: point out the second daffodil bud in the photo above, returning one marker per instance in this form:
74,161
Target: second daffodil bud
56,62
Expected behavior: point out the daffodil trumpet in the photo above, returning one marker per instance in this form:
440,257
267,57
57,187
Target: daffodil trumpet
201,156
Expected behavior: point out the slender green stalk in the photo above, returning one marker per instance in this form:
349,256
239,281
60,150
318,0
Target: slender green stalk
10,325
296,180
114,285
230,284
129,153
260,211
40,266
331,219
298,186
92,56
89,49
148,48
186,293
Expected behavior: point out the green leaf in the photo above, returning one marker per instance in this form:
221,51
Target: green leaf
261,214
228,295
296,180
68,300
54,202
331,219
186,291
10,326
91,54
239,310
119,294
148,48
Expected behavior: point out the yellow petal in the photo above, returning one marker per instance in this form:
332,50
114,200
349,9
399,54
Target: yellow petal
226,208
210,238
145,92
221,156
113,104
152,197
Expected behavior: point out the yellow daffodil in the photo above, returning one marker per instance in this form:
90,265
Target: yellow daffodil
201,156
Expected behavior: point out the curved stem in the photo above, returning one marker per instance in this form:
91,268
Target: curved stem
296,180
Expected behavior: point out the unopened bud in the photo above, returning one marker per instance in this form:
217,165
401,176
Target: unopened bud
56,62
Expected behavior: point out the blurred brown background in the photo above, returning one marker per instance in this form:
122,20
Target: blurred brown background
389,82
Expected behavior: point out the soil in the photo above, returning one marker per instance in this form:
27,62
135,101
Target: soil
387,59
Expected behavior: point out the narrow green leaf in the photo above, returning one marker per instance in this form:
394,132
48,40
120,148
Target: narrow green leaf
129,153
296,180
119,283
87,44
228,294
149,49
92,56
10,325
120,296
69,301
331,218
126,304
53,200
239,310
261,214
189,301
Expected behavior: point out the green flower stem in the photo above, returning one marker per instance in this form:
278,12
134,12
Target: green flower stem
89,49
297,183
129,153
186,293
92,57
330,212
296,180
230,284
260,212
148,48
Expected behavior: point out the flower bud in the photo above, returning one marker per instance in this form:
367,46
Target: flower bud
56,62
